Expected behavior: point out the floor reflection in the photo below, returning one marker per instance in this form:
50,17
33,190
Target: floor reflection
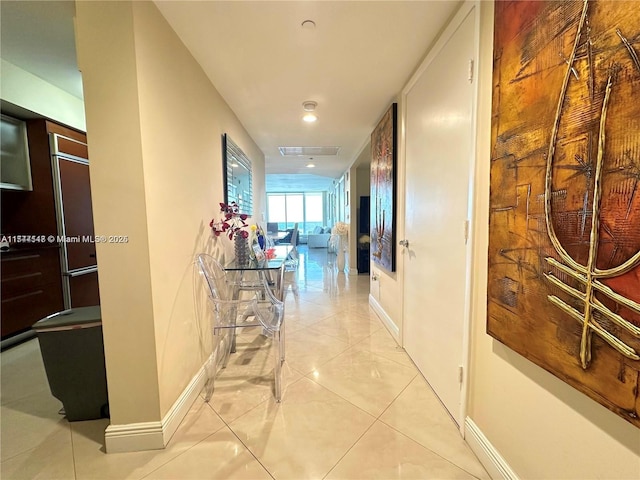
319,264
354,406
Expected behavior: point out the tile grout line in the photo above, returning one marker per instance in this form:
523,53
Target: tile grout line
376,419
427,448
186,449
73,452
225,424
413,439
240,440
351,447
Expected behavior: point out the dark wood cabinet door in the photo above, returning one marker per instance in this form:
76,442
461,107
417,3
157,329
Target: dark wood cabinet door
84,290
75,189
31,288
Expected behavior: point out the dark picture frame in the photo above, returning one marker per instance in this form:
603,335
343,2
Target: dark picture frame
383,190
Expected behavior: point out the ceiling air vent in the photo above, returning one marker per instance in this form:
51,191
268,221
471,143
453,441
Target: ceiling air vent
308,151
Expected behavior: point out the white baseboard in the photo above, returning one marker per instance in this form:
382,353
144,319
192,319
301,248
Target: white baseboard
386,319
135,437
491,460
182,405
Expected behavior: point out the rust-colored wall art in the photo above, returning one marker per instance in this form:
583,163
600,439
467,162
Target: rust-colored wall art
383,190
564,229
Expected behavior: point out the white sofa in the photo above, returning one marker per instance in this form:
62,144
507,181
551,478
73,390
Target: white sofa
318,238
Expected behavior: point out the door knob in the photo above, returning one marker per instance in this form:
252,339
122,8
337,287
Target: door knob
404,243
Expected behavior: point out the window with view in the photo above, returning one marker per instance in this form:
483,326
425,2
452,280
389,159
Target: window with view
305,209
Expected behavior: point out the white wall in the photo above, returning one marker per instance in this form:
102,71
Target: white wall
351,208
360,179
542,427
25,90
348,190
155,124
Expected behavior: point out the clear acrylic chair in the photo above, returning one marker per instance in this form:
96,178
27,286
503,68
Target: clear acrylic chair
227,311
254,282
293,240
290,278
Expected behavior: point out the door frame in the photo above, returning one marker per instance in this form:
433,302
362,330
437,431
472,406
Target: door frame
465,9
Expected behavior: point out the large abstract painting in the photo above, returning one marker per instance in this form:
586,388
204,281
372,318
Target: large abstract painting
564,241
383,188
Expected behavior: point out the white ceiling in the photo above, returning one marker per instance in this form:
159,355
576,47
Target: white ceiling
38,37
265,64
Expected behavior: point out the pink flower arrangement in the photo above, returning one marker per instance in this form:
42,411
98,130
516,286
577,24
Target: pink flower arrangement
232,223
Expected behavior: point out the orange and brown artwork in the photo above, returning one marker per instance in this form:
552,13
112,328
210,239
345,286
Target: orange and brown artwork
564,229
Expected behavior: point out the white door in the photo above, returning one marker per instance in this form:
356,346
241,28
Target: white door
439,150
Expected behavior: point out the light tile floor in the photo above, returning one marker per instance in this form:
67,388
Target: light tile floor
354,407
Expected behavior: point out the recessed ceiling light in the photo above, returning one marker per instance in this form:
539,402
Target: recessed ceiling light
310,165
310,117
309,105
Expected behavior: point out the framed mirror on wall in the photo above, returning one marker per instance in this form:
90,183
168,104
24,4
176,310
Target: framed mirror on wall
237,176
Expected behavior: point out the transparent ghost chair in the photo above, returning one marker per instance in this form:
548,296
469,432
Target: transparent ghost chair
291,273
253,281
268,314
293,239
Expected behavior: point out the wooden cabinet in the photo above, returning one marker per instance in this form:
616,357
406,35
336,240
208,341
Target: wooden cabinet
37,277
31,287
15,173
72,188
32,212
84,290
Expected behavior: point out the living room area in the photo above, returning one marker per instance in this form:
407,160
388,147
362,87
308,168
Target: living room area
323,216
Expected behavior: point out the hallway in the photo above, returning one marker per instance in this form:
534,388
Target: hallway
354,407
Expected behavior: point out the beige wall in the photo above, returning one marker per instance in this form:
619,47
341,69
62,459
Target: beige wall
154,125
364,178
542,427
106,57
359,181
353,225
361,172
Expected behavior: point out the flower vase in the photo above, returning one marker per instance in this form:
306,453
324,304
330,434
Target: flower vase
342,246
241,247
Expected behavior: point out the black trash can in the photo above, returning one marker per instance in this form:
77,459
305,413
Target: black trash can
73,354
